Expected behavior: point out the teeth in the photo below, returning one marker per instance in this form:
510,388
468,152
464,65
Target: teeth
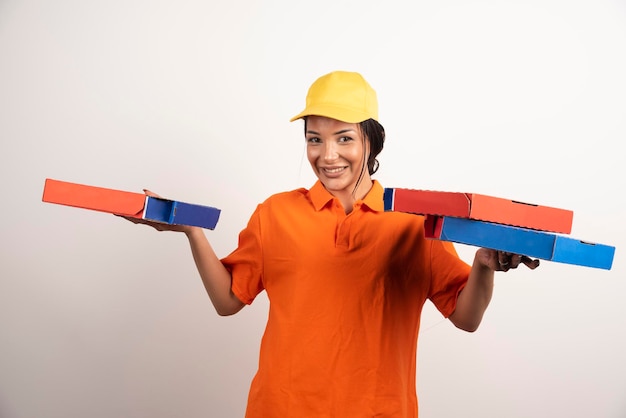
333,170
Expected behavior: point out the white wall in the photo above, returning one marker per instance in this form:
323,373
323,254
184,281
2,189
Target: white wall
102,318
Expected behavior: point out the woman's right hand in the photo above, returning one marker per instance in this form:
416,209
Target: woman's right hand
159,226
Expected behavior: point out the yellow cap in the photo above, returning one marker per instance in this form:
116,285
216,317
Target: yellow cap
341,95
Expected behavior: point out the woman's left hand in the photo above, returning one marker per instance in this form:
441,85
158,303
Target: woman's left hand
503,261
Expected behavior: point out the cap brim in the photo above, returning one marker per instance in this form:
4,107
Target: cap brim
341,114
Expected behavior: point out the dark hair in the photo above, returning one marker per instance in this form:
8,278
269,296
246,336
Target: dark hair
375,133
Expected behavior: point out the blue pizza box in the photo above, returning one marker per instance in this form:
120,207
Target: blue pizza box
571,251
174,212
517,240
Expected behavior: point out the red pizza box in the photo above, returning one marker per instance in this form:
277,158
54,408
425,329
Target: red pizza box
479,207
94,198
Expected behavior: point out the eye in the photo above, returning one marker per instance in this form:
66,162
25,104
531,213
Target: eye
345,139
313,140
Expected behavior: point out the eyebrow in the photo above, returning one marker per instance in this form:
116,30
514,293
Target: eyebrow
343,131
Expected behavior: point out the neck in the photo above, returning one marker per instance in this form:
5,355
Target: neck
348,199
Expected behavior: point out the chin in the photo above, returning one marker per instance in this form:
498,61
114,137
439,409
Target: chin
333,186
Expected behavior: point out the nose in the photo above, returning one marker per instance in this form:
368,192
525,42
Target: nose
330,151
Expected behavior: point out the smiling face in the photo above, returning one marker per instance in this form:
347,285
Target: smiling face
336,151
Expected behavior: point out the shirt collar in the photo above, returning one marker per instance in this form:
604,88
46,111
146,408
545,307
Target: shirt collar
373,199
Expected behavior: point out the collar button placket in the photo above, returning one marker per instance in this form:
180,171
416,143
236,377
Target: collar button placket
342,226
343,231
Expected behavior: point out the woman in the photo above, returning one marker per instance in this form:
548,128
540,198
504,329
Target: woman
345,279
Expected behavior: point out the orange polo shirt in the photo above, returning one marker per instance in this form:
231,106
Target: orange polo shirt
346,293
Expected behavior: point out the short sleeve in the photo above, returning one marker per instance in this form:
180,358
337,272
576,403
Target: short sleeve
449,275
245,263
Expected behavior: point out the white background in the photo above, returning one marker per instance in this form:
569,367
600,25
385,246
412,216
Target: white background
191,99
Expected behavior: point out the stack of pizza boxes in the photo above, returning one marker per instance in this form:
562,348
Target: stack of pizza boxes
500,224
129,204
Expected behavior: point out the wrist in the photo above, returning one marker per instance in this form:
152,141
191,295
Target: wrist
191,231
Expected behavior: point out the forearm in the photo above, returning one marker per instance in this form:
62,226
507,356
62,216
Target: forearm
473,300
215,277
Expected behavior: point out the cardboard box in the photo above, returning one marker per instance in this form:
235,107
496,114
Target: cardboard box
94,198
129,204
180,213
479,207
529,242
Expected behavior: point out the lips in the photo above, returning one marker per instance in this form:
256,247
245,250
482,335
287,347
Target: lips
333,171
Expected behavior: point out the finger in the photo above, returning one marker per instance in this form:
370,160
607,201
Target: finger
503,260
530,263
516,259
140,221
150,193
